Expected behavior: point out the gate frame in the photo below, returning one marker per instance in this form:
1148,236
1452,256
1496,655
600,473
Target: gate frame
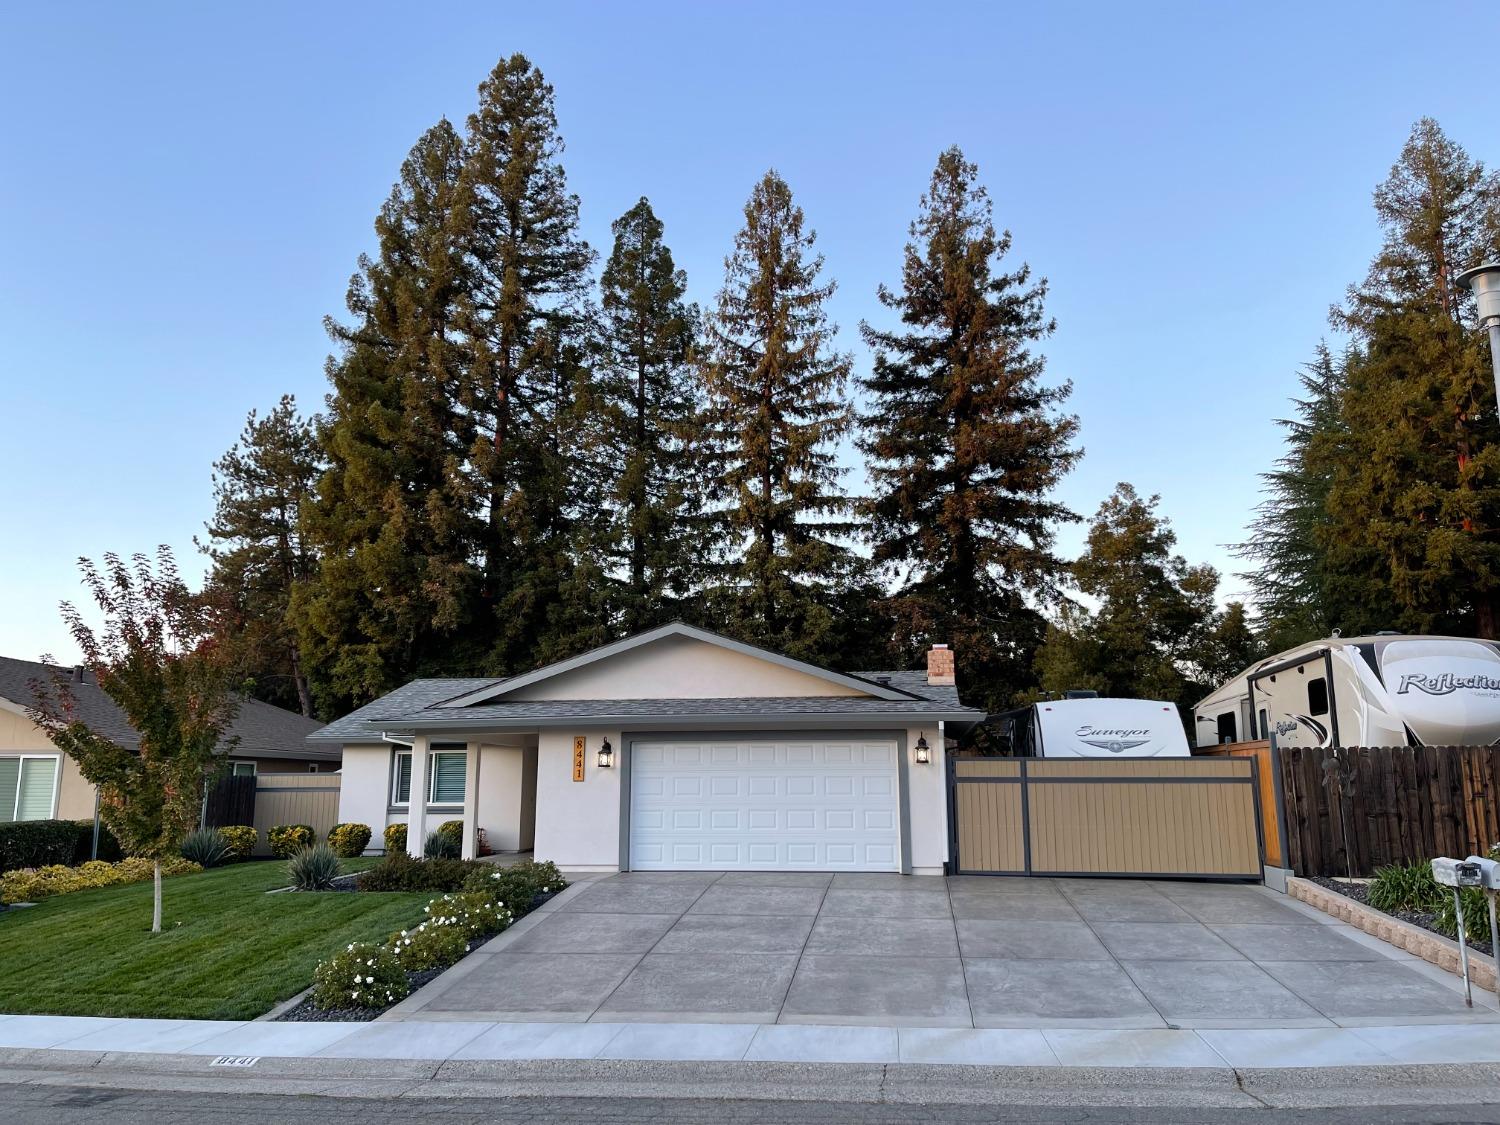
1025,781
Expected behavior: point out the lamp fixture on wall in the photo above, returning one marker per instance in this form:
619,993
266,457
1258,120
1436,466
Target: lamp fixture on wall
606,755
924,754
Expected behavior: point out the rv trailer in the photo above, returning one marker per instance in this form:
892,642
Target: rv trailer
1093,727
1380,690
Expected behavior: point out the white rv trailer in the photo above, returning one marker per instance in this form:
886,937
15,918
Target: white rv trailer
1381,690
1093,727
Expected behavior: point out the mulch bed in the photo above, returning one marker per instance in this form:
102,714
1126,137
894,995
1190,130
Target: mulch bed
1360,892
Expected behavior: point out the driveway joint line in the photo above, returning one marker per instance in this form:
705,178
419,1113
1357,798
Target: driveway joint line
1120,965
797,968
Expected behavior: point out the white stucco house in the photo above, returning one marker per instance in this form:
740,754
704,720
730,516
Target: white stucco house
676,749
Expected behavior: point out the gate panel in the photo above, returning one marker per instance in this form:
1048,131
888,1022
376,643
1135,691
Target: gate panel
1130,817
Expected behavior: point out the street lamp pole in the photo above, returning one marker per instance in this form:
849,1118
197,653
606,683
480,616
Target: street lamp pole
1484,282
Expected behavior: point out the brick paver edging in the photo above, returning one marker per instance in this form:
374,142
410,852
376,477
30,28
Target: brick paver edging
1425,944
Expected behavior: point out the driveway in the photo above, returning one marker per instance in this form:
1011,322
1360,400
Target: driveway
968,951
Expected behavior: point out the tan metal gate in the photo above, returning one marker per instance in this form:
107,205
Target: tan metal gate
1142,817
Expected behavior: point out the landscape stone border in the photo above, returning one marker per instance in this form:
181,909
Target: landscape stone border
1425,944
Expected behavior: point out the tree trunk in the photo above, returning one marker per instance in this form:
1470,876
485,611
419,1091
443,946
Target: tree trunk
156,904
304,697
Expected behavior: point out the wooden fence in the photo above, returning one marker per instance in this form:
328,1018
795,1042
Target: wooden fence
1266,783
231,800
296,798
1130,817
1352,810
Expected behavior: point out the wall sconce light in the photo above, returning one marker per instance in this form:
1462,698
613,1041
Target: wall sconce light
606,755
924,753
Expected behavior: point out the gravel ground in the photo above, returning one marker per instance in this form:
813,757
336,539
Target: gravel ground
1360,892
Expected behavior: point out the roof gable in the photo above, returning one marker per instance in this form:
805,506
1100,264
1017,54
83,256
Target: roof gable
678,661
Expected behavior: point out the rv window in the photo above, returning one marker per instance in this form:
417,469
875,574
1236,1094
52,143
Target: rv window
1226,727
1317,696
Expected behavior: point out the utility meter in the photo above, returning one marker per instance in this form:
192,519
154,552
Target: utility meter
1489,872
1457,873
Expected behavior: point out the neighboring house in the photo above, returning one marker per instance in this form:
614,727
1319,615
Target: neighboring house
38,781
674,749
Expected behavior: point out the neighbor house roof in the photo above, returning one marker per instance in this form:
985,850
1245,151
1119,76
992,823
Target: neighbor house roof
263,730
440,704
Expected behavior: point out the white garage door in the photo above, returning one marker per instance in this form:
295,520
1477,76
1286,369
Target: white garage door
764,805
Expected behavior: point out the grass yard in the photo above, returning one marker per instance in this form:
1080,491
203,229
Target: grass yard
227,949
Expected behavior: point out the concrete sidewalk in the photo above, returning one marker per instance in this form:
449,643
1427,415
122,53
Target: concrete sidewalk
197,1042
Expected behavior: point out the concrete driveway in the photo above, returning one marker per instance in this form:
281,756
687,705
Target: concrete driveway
967,951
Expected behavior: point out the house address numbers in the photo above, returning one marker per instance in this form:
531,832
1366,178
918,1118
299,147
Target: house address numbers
580,744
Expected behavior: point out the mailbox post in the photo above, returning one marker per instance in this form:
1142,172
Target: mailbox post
1459,873
1489,879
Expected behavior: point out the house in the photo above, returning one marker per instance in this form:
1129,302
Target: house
38,781
676,749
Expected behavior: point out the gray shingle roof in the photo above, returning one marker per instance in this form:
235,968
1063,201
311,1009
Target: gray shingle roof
263,730
424,702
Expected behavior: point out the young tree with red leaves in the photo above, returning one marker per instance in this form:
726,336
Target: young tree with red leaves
155,657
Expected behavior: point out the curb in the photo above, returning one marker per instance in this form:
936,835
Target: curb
1430,947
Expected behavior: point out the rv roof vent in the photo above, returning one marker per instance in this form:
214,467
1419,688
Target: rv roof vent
1081,693
1389,633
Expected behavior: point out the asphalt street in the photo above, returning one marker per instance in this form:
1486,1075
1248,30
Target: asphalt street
53,1105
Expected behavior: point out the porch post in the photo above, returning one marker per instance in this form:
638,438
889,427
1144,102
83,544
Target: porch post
471,801
416,821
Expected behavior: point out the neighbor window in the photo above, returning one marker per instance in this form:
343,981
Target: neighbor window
244,769
1317,696
1226,726
312,767
445,777
28,787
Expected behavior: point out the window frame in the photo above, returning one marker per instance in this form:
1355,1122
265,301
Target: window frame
432,755
21,759
1322,683
236,771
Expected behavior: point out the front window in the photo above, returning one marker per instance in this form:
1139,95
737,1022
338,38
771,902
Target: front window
446,770
28,787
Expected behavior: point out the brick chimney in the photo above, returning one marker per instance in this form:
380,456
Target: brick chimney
940,665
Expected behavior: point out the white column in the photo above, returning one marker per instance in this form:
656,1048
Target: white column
416,821
471,801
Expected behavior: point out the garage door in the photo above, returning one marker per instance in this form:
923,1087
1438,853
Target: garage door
764,805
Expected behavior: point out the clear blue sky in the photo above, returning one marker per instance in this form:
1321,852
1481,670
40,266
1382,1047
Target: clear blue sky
184,190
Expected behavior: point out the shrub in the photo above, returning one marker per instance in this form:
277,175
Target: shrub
286,840
440,845
39,843
400,872
1476,915
349,840
395,839
518,886
476,914
31,884
205,847
432,945
362,976
240,839
454,829
109,848
1406,887
314,868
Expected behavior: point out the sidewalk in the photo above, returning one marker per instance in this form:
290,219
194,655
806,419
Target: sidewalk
199,1042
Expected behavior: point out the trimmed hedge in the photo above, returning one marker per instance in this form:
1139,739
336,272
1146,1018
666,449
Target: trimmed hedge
240,839
32,884
286,840
349,840
400,872
38,843
395,839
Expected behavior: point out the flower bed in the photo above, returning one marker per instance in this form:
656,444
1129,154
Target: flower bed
1426,919
366,979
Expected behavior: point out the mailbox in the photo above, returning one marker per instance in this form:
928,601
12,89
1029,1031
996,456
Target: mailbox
1457,873
1489,872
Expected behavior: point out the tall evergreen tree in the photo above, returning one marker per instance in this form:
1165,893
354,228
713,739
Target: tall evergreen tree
1298,595
524,319
964,442
648,412
262,489
1153,612
777,390
1415,503
396,583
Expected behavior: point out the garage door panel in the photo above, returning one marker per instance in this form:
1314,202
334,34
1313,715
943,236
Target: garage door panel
765,805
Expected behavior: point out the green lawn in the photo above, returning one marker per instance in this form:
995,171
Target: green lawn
227,949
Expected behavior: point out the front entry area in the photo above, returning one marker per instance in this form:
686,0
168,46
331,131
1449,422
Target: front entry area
714,803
